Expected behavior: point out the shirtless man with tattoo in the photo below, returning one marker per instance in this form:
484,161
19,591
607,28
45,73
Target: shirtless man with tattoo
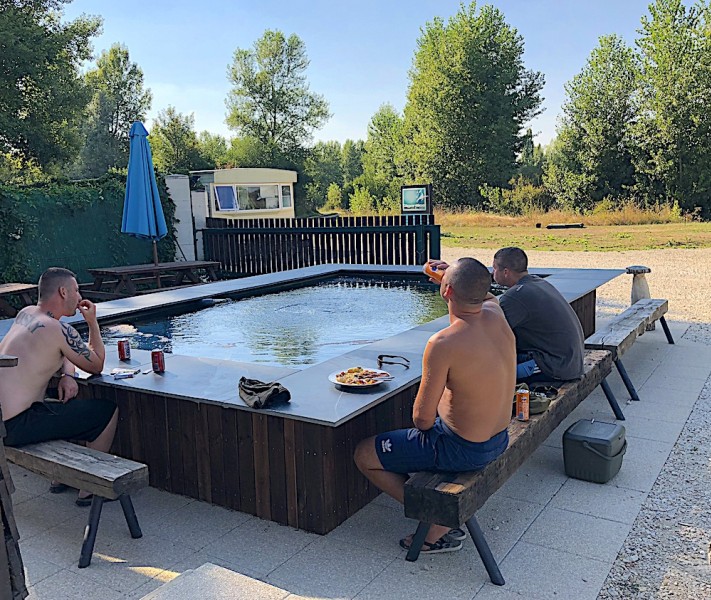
45,347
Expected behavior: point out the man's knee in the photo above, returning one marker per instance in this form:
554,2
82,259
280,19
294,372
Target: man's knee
365,455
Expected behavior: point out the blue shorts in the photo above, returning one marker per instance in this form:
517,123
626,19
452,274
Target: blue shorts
439,450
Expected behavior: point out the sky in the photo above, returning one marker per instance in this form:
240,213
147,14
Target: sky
360,52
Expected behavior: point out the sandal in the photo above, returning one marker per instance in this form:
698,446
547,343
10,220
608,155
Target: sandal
457,534
443,544
58,488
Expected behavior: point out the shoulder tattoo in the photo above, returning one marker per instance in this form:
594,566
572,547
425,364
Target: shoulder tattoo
28,321
75,342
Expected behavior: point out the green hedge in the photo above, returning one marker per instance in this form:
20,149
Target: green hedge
76,225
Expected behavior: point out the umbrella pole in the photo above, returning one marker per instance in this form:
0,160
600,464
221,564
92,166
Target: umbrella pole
155,253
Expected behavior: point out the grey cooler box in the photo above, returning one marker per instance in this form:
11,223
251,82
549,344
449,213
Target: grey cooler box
593,450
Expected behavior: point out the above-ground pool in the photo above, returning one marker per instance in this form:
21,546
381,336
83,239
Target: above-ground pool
291,328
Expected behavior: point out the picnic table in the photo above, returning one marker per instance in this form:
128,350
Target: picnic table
119,282
25,291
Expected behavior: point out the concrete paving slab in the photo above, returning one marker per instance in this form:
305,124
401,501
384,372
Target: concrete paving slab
538,479
324,569
494,592
652,429
671,410
376,527
37,567
41,514
504,521
196,524
216,583
605,501
260,546
66,585
577,533
642,463
540,573
455,576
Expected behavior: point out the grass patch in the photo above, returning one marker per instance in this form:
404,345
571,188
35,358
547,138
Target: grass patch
593,238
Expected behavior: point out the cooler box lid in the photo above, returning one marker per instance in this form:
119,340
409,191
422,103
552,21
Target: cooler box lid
608,438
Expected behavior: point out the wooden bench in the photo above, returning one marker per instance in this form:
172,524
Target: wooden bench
620,333
451,499
106,476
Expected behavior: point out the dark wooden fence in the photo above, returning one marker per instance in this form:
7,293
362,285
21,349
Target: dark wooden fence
257,246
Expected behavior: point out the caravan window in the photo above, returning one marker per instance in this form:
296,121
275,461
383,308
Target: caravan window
225,197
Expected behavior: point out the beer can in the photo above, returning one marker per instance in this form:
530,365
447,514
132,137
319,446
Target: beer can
523,396
124,350
158,361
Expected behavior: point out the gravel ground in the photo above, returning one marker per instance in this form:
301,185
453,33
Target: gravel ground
681,276
667,553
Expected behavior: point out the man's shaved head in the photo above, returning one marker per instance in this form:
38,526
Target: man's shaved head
51,280
470,280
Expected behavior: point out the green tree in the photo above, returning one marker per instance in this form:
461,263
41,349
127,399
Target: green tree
673,132
361,201
174,143
334,197
594,139
382,175
469,98
42,93
323,167
351,161
531,161
271,100
213,149
119,99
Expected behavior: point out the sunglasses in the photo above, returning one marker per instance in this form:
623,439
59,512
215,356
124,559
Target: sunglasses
395,359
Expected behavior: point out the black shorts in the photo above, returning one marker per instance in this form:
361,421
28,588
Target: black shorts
81,420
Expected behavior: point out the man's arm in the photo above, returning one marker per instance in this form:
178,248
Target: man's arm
434,378
89,357
77,352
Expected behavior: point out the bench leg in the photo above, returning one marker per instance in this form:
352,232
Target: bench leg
484,552
665,327
612,400
626,380
130,515
417,542
87,548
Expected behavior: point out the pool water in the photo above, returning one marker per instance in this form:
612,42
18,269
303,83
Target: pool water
292,328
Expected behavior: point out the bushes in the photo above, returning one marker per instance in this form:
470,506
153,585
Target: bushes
75,225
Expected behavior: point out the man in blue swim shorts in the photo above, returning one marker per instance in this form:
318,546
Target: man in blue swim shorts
463,406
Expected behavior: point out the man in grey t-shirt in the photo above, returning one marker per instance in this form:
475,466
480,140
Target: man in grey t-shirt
549,337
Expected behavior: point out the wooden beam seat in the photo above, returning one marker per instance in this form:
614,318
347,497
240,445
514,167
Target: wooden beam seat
451,499
620,333
106,476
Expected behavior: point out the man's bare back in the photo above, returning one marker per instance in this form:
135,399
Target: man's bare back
43,345
480,349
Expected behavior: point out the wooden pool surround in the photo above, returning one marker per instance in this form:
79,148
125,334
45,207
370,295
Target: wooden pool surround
291,464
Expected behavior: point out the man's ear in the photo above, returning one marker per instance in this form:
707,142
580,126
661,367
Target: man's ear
448,291
62,291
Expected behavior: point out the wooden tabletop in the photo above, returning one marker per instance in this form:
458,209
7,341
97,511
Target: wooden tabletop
7,361
151,268
14,288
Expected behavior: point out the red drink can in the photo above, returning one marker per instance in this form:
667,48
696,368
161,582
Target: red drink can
124,350
158,361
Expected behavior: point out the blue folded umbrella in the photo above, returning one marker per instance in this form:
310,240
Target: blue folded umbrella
142,212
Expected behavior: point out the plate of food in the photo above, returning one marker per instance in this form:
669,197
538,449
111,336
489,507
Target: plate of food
359,377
